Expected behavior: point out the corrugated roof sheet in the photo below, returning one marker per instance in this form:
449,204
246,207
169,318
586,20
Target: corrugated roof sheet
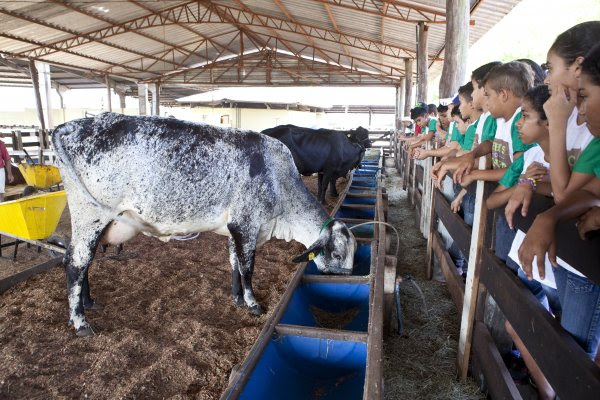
179,41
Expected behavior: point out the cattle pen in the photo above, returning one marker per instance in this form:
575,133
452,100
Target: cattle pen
175,319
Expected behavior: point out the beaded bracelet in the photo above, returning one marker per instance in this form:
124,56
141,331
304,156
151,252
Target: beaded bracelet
532,182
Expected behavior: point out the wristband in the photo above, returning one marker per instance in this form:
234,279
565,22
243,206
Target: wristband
532,182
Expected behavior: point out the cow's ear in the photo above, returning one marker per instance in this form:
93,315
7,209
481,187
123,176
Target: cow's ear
310,253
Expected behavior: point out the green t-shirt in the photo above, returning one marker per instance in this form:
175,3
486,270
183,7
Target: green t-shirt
512,174
469,137
489,129
456,136
589,159
432,125
517,144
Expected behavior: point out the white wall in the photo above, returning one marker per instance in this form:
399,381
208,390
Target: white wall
247,118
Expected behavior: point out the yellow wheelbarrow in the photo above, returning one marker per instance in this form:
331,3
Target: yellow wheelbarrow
32,219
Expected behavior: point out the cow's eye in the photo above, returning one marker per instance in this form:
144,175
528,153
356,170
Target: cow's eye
336,256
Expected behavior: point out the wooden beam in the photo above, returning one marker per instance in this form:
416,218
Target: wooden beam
454,71
422,63
472,284
108,94
7,283
36,91
408,74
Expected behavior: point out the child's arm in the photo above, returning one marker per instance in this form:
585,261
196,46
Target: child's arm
421,154
499,197
540,236
455,205
558,108
467,161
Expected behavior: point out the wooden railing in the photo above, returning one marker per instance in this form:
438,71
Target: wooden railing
567,367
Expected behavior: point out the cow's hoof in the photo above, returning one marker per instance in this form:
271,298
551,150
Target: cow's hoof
93,306
239,301
256,310
84,331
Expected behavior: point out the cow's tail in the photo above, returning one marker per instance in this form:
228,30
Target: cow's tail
69,169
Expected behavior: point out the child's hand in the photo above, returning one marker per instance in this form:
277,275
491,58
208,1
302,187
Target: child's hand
538,241
520,197
420,154
588,222
464,167
455,205
467,180
536,171
560,105
10,177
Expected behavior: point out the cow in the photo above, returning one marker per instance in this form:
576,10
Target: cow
327,152
165,178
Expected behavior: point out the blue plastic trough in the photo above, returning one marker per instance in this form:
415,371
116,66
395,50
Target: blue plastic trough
317,342
299,368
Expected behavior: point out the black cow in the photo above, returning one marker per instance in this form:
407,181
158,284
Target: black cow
327,152
166,177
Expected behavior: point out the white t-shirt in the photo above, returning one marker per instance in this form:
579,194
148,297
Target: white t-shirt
578,137
502,148
536,154
479,129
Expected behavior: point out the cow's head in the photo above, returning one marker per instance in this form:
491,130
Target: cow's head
360,136
333,252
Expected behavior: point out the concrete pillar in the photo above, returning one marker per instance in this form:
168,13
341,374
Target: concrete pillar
121,101
408,68
422,64
400,89
154,88
454,72
143,98
108,94
44,92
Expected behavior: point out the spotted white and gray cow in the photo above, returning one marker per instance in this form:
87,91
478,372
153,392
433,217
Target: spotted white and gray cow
164,177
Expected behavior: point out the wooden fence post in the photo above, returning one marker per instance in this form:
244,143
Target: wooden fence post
472,283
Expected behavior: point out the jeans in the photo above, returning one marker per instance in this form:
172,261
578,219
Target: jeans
546,295
468,208
580,301
504,238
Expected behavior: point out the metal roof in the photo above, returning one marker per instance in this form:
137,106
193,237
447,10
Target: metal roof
202,44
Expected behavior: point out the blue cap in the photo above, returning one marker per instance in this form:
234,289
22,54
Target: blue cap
456,101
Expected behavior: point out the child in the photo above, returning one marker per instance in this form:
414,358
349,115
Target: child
456,129
443,122
568,132
580,309
4,163
485,133
427,124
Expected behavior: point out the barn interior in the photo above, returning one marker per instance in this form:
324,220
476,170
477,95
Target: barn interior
407,326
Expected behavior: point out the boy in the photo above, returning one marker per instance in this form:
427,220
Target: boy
505,86
4,163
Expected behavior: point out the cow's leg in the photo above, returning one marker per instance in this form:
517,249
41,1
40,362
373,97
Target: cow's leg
77,260
320,185
244,238
332,189
236,283
323,187
88,302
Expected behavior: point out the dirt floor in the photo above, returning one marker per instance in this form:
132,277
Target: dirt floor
420,364
169,328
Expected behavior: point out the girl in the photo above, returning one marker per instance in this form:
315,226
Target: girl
580,308
568,133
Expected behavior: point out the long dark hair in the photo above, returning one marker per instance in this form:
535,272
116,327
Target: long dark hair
591,65
576,41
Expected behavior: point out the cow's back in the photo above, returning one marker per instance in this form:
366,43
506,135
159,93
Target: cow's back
162,166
